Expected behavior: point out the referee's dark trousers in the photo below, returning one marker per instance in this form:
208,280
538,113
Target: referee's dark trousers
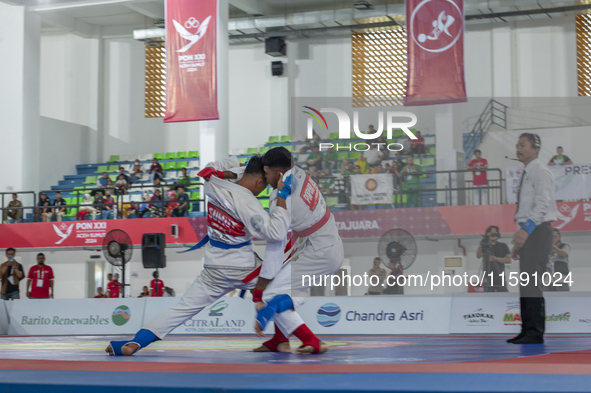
533,258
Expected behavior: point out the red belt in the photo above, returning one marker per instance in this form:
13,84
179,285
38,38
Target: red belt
315,227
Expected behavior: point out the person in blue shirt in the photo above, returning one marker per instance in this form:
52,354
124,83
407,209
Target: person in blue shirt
183,199
103,181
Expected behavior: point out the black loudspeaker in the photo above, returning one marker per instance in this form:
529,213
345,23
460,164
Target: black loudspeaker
153,247
277,68
275,46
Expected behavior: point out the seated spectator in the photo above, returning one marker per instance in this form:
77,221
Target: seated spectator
143,207
155,208
377,271
121,182
98,201
59,209
383,148
103,181
172,205
184,178
155,170
86,208
362,164
100,294
344,164
159,184
145,292
417,146
406,146
310,143
373,155
136,171
107,206
349,169
15,214
127,178
327,182
183,207
43,209
315,158
314,174
559,158
125,206
411,176
377,168
330,159
156,286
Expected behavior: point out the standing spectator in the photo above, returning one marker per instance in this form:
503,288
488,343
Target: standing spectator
15,214
136,171
156,286
114,287
145,292
480,183
11,272
183,207
558,263
373,155
498,257
330,159
559,158
412,178
59,208
362,163
100,294
327,182
40,280
103,181
155,170
108,206
315,158
417,146
86,208
376,270
395,271
43,209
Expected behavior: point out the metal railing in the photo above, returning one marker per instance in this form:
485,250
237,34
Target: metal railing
494,113
5,203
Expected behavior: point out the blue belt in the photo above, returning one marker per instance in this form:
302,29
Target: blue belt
215,243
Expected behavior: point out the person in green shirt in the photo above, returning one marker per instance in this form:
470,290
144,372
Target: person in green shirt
349,169
327,182
559,158
330,159
184,178
315,158
411,176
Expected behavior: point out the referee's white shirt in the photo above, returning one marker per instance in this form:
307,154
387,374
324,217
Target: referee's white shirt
536,195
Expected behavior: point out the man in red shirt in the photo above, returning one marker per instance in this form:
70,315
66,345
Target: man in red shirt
156,286
100,294
40,280
155,170
480,180
114,286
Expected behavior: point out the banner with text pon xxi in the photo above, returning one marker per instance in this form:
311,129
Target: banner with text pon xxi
191,63
435,44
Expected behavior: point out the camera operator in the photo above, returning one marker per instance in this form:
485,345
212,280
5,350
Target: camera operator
558,263
495,255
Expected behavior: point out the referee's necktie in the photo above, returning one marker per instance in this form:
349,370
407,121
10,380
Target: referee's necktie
519,191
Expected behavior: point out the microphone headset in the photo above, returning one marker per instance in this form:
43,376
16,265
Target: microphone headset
535,141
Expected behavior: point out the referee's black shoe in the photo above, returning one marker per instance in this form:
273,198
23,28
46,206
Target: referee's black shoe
529,340
518,337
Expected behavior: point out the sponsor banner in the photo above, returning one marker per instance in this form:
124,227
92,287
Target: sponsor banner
378,315
75,316
371,189
568,313
191,73
435,41
570,182
3,318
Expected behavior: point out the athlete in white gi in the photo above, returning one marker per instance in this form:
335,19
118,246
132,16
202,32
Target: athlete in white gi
234,217
318,250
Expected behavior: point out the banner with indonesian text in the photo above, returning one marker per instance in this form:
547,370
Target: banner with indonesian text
435,42
191,73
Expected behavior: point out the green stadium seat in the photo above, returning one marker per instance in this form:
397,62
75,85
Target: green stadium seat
181,164
181,154
266,192
428,162
264,203
79,188
90,180
159,156
432,151
169,156
263,150
242,160
102,169
113,177
273,139
113,159
113,168
193,154
354,155
399,199
285,138
289,148
333,135
252,150
342,155
397,133
169,166
331,201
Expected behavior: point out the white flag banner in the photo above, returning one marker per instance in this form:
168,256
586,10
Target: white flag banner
371,189
571,182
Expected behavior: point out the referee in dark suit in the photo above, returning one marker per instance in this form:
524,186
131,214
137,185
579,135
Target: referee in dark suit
536,209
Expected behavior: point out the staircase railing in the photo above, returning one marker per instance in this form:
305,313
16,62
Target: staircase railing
494,113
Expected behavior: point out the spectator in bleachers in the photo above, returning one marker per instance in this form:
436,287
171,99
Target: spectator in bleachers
183,198
373,155
406,146
384,147
344,164
145,292
362,164
11,272
310,143
136,171
314,174
357,171
480,182
125,206
412,178
86,208
377,168
172,204
59,208
42,208
184,178
127,178
327,182
100,294
559,158
155,170
156,286
107,206
349,169
417,146
330,159
377,271
121,183
155,208
143,207
395,169
315,158
15,214
40,280
103,181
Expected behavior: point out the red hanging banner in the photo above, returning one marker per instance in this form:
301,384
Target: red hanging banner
435,42
191,73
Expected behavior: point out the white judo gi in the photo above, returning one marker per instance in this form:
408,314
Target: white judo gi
234,217
317,251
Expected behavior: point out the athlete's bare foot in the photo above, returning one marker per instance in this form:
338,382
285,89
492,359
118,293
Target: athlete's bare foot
126,350
281,347
309,350
258,329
